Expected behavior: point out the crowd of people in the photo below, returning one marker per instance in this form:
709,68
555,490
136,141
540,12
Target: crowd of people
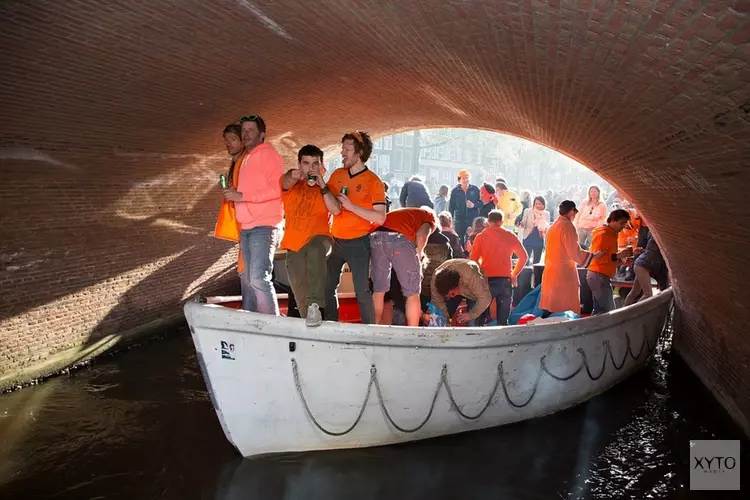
468,243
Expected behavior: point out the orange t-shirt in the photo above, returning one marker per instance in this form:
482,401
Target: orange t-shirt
630,234
407,221
305,214
604,238
365,189
493,249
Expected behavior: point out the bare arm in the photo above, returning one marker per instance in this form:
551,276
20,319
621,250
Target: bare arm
375,215
332,204
523,258
423,233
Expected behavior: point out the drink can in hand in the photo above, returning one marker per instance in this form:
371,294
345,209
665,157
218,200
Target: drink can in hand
310,180
344,190
223,181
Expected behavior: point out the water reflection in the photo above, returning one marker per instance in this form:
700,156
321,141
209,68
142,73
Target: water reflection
140,425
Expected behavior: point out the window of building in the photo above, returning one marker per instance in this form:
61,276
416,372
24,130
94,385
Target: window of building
454,154
378,144
408,138
407,161
433,152
373,163
385,163
397,158
423,153
399,139
441,153
388,143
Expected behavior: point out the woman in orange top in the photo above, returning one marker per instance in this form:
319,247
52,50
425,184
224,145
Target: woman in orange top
560,284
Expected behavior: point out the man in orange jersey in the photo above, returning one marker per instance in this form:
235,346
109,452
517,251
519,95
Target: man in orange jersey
356,198
398,245
603,269
493,250
307,240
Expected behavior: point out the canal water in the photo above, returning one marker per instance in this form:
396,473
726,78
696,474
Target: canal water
139,425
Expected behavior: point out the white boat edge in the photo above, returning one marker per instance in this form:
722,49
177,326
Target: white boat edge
280,386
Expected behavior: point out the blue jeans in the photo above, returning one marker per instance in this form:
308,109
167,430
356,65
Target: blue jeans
601,291
258,246
502,292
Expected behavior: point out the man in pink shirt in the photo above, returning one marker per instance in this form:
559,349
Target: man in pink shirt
257,202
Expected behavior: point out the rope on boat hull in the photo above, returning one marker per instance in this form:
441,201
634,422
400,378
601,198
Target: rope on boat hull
499,382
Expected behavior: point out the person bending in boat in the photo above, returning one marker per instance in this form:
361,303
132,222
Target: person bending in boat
398,245
458,279
307,239
356,198
493,250
257,201
560,284
603,268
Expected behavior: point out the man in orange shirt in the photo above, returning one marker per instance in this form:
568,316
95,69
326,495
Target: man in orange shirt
398,245
257,201
356,197
603,268
493,250
226,224
307,240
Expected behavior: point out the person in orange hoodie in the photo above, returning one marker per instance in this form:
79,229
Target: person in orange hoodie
603,268
561,288
257,201
493,250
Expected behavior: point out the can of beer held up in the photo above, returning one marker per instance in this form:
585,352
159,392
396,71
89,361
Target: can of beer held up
223,181
311,180
344,190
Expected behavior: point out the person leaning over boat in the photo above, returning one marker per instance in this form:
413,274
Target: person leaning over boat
307,239
493,250
464,204
649,264
257,200
398,245
356,198
226,224
602,269
560,284
458,279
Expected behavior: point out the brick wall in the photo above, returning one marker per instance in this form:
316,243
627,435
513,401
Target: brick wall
112,111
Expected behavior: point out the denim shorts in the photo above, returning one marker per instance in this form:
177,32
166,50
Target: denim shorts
394,251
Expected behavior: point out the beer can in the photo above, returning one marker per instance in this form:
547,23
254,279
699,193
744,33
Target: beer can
344,190
223,181
311,180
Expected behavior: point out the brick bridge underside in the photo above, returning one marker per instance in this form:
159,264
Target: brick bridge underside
110,138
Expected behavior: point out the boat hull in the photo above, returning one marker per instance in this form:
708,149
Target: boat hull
279,386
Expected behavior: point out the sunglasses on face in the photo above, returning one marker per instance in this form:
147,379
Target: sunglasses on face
249,118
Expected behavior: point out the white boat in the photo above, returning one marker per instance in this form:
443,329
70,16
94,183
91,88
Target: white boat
280,386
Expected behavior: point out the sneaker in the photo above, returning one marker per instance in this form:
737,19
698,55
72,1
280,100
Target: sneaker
314,317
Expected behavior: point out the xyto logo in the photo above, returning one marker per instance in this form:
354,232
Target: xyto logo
714,465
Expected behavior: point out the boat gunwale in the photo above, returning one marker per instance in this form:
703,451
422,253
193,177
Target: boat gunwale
239,321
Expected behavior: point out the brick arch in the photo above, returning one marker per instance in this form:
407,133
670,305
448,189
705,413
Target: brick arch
112,112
